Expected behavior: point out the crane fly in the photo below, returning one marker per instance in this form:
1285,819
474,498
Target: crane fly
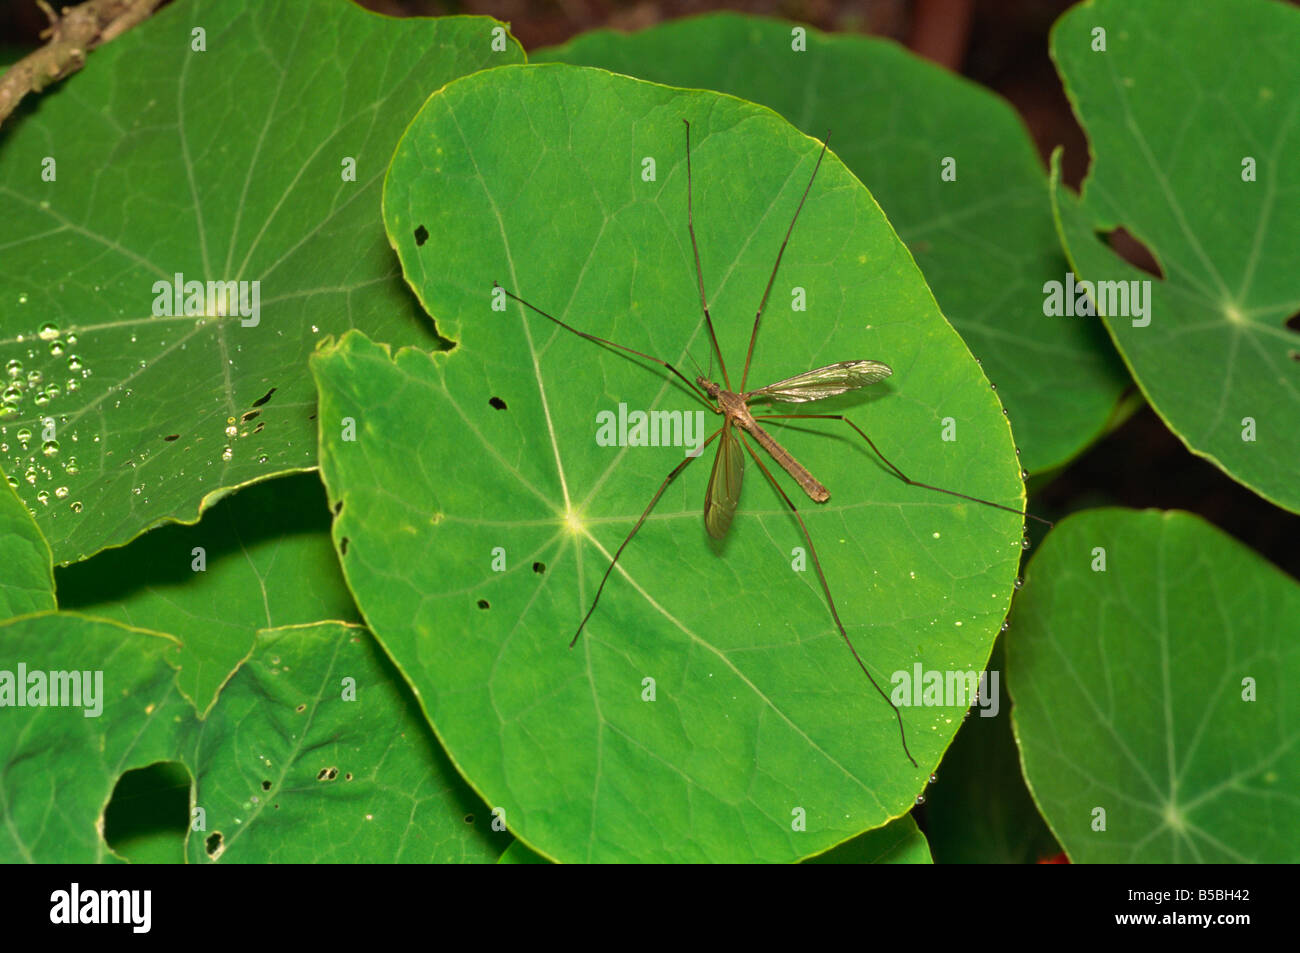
739,424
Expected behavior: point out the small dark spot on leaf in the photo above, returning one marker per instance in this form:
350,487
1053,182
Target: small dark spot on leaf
1295,355
266,785
483,604
338,507
469,818
301,708
1293,322
277,807
249,416
264,398
539,568
213,843
498,403
421,235
172,436
327,774
312,417
348,776
343,546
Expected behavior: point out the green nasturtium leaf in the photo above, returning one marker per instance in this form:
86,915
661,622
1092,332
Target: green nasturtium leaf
898,842
262,559
1153,664
315,751
1201,164
59,764
984,240
233,163
568,186
292,768
519,853
26,576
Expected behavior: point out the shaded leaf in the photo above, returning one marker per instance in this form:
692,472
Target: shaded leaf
291,770
898,842
286,769
204,164
27,583
1212,353
267,562
1159,691
979,811
59,765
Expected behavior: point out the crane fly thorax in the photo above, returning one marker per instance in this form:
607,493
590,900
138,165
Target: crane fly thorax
735,407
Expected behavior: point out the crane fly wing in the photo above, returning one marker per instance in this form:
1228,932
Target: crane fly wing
825,382
724,485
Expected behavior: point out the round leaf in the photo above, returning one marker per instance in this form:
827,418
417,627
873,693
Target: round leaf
764,740
1153,663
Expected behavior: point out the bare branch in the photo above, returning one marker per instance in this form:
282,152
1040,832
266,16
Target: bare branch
69,37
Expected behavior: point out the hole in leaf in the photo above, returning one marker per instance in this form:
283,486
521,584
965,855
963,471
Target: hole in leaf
258,428
327,774
264,398
149,812
539,568
469,818
1133,251
249,416
301,708
483,604
498,403
172,436
343,546
421,235
1293,322
338,507
266,785
348,776
213,843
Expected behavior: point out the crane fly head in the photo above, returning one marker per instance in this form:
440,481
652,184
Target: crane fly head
710,388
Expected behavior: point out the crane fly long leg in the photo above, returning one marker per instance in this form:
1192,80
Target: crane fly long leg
690,384
821,576
628,538
699,273
772,277
897,472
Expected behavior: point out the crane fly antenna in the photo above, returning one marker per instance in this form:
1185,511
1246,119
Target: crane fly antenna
691,385
772,277
821,577
897,472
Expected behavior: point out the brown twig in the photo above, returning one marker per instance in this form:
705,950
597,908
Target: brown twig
70,35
